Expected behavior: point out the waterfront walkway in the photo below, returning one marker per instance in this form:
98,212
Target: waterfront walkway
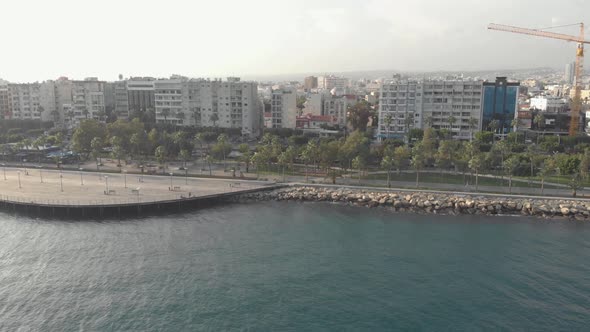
74,188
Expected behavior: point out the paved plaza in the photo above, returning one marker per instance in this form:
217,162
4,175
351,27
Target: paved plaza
82,188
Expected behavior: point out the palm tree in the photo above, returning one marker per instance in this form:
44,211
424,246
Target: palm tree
493,126
358,162
85,112
388,121
418,160
540,123
548,169
473,122
165,113
475,164
451,120
209,160
387,165
511,164
408,121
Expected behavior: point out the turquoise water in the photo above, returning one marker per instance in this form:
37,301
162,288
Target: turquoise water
294,267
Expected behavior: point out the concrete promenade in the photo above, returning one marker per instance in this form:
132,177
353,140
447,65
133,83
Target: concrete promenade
74,188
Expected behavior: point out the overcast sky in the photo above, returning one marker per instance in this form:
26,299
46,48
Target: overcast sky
47,39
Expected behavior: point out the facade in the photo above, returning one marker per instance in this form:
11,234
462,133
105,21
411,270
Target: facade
141,94
283,107
500,102
548,104
315,104
336,107
310,82
330,82
569,74
24,101
310,121
88,100
208,103
398,112
121,100
4,102
454,105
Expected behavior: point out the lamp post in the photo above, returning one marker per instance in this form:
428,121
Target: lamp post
171,174
19,186
40,173
125,177
81,178
4,167
106,182
61,182
186,175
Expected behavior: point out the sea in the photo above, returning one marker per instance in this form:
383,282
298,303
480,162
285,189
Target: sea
280,266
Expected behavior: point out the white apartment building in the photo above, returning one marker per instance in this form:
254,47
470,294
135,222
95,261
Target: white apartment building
409,104
88,100
549,104
208,103
441,101
24,101
283,107
330,82
337,108
397,108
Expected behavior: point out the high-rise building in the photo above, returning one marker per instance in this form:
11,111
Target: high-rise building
397,108
570,69
283,107
454,105
500,102
140,94
310,82
208,103
88,100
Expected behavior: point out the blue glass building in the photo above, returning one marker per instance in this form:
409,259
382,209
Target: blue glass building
500,102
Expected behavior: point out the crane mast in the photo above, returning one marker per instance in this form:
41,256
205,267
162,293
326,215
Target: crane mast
576,106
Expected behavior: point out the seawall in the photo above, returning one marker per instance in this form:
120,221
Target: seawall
431,203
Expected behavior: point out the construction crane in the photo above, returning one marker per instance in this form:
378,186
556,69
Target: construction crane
578,72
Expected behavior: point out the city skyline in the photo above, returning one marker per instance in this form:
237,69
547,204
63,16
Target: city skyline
261,38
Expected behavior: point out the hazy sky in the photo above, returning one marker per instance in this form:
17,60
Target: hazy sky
79,38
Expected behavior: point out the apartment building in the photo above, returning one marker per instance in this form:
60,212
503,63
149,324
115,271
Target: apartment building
310,82
454,105
24,101
336,107
208,103
88,100
330,82
398,112
135,95
283,107
4,102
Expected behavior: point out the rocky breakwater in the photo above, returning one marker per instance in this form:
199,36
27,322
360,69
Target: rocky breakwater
435,203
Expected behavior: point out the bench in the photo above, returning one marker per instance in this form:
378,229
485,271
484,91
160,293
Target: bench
135,191
110,192
175,188
235,184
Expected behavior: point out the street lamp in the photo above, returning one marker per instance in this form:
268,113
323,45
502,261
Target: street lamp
19,186
81,179
171,174
125,177
4,166
106,182
186,175
40,173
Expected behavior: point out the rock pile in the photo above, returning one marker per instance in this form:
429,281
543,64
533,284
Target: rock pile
436,203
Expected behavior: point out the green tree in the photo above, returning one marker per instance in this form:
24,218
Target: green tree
214,118
329,156
548,169
511,164
418,160
387,164
401,156
118,152
97,145
184,155
209,161
358,163
82,138
161,156
473,123
246,155
494,125
476,164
